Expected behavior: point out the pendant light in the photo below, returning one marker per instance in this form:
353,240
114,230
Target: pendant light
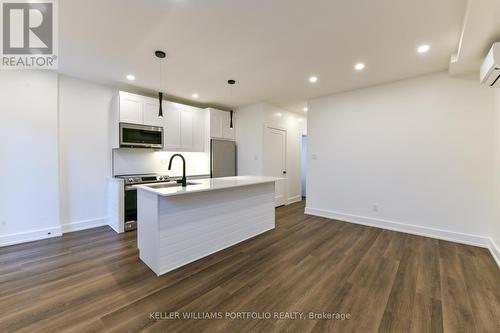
160,55
231,84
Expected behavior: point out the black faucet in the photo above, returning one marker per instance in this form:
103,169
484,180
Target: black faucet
183,181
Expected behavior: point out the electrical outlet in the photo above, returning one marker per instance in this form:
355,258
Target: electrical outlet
163,161
375,207
4,223
314,157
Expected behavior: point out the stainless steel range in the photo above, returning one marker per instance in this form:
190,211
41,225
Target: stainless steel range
130,201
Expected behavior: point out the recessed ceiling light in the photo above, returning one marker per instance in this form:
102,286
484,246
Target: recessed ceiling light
195,95
306,109
423,48
278,114
313,79
359,66
130,77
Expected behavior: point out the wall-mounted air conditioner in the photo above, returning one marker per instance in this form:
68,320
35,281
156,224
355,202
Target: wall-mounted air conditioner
490,70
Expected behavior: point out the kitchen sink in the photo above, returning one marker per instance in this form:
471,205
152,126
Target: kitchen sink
170,184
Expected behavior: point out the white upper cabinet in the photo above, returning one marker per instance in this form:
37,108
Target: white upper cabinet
131,108
220,122
138,109
227,131
184,128
215,123
183,125
187,129
151,108
172,128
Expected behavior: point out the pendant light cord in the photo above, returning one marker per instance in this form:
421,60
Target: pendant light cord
231,101
160,93
161,74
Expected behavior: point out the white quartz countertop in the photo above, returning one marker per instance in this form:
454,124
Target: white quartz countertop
206,184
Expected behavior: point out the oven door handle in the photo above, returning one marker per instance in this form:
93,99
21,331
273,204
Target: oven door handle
130,188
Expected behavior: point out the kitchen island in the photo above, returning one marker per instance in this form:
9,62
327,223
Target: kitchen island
178,225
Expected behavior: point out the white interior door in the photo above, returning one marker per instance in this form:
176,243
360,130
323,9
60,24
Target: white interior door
275,160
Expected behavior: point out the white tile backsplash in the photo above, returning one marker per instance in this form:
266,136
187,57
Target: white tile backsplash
138,161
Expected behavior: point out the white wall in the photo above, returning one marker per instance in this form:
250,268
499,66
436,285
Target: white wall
54,172
85,157
419,149
29,184
249,138
495,226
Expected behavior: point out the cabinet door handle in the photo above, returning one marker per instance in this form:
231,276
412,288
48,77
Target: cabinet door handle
284,172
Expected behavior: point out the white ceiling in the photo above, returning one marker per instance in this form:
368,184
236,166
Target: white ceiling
270,47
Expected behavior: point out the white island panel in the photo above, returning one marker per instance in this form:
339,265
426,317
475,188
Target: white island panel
176,230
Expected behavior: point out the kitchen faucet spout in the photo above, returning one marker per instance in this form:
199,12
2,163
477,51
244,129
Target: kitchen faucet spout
183,181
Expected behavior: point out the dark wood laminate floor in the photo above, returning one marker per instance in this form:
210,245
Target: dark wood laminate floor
93,281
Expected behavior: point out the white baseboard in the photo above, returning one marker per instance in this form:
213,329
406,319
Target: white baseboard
35,235
402,227
294,199
85,224
495,251
115,228
30,236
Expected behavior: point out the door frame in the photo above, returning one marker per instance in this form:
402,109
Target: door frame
266,126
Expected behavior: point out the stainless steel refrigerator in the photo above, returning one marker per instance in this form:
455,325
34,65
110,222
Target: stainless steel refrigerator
222,158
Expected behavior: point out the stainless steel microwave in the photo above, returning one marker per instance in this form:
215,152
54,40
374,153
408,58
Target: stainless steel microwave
141,136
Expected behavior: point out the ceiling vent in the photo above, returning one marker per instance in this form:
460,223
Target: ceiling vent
490,70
